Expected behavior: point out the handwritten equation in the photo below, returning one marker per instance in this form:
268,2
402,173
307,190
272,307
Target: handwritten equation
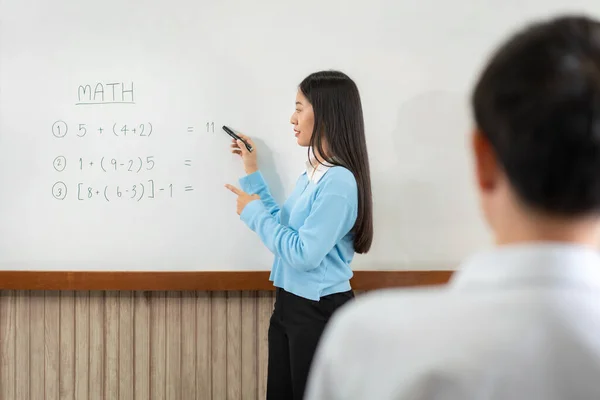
60,129
107,164
134,192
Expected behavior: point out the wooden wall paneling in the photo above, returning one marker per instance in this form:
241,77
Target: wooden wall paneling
134,344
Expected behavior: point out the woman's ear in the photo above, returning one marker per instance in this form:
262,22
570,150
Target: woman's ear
486,165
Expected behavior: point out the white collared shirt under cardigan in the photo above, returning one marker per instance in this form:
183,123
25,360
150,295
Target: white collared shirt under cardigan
516,322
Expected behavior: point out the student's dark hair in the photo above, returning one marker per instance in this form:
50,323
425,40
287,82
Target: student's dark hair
339,123
538,104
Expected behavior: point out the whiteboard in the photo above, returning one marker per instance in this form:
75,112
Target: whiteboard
136,182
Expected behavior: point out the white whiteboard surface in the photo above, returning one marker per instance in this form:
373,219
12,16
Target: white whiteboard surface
199,64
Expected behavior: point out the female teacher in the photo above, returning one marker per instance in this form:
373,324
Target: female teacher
316,232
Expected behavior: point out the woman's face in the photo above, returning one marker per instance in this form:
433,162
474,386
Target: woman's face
303,120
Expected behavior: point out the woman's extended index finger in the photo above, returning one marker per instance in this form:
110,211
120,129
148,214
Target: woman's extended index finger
233,189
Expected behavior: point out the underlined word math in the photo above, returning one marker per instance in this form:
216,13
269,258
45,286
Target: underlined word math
105,93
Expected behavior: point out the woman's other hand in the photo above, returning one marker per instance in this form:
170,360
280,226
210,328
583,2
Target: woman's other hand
243,197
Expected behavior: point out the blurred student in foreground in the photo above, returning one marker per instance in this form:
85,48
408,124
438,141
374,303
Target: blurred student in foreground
521,321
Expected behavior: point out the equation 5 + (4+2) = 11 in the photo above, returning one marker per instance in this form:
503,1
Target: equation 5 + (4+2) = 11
60,129
135,192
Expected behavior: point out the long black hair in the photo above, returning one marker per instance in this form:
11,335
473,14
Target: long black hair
339,123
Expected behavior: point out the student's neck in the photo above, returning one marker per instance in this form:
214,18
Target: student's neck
582,232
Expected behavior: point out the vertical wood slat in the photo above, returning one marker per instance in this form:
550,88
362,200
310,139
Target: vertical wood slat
204,370
82,345
96,347
37,341
134,345
249,339
219,345
158,347
66,336
22,348
188,345
52,344
111,345
265,305
173,346
141,343
125,344
7,344
234,346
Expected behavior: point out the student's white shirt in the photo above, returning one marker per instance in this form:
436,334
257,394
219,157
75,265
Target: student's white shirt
518,322
315,170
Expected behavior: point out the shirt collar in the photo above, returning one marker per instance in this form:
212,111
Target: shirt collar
540,264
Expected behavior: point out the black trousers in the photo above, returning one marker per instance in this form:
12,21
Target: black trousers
295,328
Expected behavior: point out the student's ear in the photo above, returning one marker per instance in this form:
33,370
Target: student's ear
486,165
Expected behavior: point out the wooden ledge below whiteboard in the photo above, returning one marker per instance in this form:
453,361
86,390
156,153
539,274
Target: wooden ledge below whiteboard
206,280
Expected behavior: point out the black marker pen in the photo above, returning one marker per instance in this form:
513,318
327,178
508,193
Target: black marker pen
236,137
